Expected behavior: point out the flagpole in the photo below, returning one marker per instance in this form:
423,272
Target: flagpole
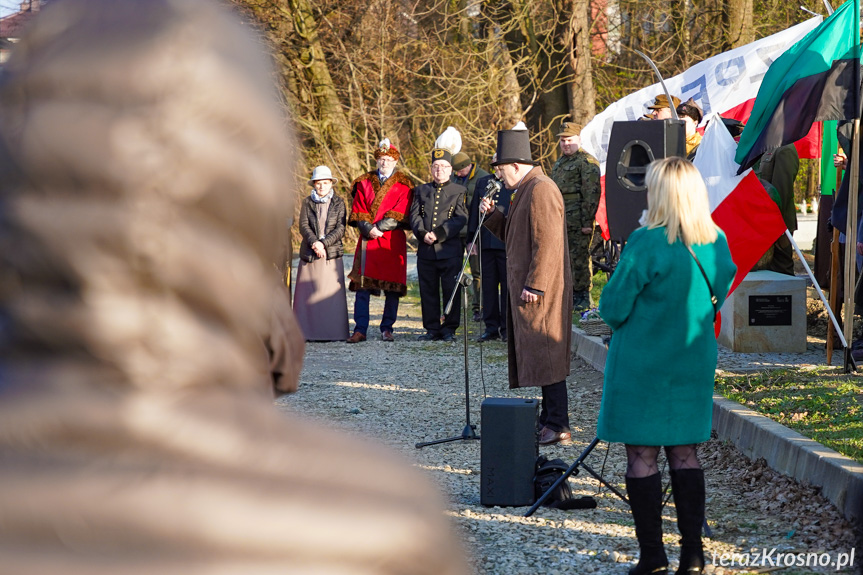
817,287
851,220
834,292
851,245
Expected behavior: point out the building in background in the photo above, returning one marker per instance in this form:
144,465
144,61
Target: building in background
11,25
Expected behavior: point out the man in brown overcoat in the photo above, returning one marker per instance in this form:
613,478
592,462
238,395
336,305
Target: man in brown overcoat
539,316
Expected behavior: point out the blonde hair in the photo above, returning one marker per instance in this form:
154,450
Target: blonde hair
677,199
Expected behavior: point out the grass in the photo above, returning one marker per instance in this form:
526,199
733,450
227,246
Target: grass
599,281
413,295
824,404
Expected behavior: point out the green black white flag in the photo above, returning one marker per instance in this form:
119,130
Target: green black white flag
817,79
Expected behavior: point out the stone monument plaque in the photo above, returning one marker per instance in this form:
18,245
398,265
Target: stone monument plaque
770,310
766,313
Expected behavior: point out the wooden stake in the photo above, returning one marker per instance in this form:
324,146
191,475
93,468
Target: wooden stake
851,246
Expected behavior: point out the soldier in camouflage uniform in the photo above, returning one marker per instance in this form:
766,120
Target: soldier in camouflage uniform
576,173
780,167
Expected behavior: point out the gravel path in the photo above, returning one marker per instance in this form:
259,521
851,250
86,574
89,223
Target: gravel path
411,391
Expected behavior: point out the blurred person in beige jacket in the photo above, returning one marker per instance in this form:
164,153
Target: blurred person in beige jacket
144,163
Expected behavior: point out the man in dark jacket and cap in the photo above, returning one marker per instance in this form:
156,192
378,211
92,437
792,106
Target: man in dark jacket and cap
492,257
466,173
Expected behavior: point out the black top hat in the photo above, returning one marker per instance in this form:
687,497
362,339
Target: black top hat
513,147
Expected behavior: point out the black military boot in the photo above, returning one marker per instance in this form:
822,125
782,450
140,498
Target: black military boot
687,486
645,501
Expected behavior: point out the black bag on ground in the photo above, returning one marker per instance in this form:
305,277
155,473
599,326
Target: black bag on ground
549,471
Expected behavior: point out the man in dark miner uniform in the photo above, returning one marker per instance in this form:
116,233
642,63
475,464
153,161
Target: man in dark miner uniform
438,214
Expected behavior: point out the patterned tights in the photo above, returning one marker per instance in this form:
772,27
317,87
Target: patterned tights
641,459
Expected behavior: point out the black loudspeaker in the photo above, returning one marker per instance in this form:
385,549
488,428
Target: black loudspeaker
509,451
631,147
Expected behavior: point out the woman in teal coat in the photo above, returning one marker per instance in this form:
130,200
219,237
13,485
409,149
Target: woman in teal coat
660,369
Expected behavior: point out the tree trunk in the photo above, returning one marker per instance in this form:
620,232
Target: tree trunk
680,16
582,95
737,22
553,70
507,44
510,101
329,126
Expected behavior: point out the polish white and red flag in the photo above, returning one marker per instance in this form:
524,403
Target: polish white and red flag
726,84
740,205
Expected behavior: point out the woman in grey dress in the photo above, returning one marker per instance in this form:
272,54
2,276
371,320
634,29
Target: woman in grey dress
320,303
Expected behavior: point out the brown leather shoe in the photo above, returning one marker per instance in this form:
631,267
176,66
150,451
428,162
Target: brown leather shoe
548,436
387,335
357,337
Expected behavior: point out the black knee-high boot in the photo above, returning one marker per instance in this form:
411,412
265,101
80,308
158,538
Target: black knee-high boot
687,486
645,500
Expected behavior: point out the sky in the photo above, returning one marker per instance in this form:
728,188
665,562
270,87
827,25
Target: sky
8,7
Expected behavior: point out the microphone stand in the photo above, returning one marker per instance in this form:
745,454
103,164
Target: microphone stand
463,281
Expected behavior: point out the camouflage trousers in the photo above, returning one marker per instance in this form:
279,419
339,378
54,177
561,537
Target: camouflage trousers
579,258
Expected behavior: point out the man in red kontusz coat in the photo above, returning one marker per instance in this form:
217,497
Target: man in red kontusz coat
381,203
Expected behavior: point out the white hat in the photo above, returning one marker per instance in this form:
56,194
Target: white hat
322,173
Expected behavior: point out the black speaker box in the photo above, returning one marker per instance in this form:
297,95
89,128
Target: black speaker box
509,451
631,147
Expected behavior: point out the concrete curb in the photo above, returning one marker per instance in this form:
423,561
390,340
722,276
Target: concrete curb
840,478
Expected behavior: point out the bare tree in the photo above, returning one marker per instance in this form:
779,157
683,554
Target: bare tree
677,34
582,93
737,22
357,71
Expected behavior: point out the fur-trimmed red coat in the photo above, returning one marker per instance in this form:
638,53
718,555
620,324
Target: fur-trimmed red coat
381,264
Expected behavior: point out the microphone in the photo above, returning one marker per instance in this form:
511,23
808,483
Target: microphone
494,185
491,189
